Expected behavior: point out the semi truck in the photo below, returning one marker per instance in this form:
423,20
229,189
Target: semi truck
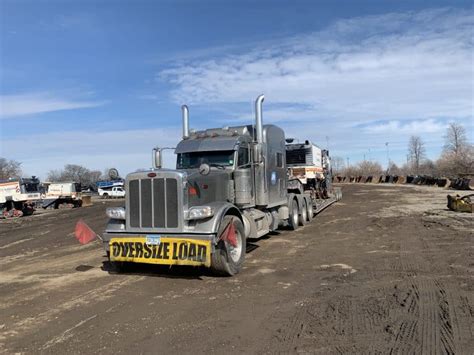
18,197
230,184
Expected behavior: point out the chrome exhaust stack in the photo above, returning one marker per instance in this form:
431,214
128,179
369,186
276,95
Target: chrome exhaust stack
259,155
259,119
185,111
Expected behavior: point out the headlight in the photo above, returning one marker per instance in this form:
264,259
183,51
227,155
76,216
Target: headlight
200,212
115,212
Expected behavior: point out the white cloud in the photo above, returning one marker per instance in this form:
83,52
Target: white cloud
414,127
361,81
35,103
393,66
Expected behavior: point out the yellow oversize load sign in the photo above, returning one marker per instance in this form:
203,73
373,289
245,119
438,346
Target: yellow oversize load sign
167,251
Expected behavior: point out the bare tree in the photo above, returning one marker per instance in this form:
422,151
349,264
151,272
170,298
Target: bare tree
393,169
364,168
455,139
54,176
75,173
9,169
369,168
457,158
94,176
416,152
427,167
337,165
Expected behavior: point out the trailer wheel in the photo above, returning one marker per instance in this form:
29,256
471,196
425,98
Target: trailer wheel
303,217
229,254
293,221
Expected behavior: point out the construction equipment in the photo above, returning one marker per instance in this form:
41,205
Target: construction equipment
62,194
18,197
230,184
310,171
460,204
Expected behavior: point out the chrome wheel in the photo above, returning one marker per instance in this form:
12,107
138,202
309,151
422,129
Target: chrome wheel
304,214
294,214
235,251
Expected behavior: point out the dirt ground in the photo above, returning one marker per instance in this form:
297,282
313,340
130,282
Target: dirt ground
386,270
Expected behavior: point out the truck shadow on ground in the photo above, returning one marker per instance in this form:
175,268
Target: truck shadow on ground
165,271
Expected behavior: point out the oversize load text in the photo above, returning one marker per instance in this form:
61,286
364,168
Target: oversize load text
167,252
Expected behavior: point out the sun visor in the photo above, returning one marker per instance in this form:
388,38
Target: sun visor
207,144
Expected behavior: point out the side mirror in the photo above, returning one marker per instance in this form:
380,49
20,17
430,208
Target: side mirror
157,158
204,169
257,153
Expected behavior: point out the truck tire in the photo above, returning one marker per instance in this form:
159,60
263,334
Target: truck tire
118,267
105,195
227,260
309,209
293,220
303,216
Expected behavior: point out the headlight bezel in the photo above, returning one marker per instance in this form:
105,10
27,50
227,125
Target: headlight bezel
199,212
117,213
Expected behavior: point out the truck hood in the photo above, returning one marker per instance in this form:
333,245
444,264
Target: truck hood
214,187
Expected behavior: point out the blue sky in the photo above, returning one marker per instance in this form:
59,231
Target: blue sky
99,83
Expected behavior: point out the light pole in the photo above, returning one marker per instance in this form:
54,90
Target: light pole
388,158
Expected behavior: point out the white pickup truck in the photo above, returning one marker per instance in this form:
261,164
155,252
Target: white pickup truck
116,192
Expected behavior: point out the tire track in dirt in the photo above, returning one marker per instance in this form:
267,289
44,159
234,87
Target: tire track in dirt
292,330
431,330
26,325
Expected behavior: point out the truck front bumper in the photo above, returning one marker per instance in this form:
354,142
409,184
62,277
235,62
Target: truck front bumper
166,249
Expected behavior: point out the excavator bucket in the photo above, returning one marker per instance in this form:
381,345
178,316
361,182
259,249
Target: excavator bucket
460,204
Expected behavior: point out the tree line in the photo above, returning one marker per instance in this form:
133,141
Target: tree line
456,159
11,169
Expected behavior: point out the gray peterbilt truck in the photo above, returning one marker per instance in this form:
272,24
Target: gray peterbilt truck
230,184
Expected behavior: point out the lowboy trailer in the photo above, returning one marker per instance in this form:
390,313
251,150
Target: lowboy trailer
230,184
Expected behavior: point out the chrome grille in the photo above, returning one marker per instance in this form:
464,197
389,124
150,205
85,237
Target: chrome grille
153,203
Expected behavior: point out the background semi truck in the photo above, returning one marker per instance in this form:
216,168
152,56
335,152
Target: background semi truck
230,184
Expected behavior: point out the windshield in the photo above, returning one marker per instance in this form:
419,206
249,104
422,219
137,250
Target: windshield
195,159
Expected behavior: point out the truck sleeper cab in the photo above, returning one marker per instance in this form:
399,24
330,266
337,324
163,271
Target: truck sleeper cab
230,184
